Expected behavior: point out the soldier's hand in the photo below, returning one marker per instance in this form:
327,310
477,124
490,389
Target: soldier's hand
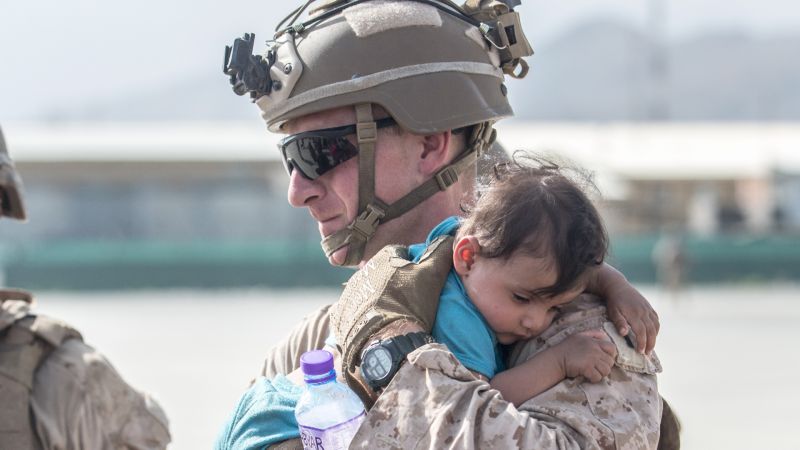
589,354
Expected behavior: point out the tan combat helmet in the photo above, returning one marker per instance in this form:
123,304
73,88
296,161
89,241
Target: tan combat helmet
11,204
432,65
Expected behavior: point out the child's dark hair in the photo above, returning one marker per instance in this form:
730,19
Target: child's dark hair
530,205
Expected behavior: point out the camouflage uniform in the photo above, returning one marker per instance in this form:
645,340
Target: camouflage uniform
435,402
77,400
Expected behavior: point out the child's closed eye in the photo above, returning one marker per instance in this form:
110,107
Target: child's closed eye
521,298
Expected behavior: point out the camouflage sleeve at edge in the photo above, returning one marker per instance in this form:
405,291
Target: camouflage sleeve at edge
80,401
435,402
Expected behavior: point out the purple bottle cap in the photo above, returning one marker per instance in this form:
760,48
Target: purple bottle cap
316,362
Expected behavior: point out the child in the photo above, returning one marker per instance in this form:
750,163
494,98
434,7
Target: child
532,243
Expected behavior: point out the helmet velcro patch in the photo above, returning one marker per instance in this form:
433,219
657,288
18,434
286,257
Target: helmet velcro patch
374,17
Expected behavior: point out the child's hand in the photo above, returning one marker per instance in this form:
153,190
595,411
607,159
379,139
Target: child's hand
626,307
589,354
629,311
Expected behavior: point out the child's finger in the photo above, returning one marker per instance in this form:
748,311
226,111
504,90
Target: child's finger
604,366
619,321
654,326
655,319
608,348
603,363
639,329
594,375
651,336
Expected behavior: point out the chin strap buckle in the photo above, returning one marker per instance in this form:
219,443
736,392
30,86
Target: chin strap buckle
367,222
446,177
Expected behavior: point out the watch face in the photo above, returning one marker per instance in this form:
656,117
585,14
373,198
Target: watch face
377,363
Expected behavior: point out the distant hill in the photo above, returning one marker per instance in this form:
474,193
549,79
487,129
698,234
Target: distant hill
598,71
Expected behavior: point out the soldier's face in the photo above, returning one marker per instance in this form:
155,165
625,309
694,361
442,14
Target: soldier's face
503,291
332,199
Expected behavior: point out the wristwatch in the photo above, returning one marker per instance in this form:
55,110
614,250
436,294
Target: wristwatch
381,359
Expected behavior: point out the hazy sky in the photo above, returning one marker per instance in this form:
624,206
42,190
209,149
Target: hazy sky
54,54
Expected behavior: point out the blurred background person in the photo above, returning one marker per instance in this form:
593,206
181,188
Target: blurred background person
669,258
58,392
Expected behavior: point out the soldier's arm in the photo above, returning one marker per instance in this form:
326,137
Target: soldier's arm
79,401
435,402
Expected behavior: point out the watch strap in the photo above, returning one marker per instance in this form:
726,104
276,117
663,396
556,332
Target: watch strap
399,347
407,343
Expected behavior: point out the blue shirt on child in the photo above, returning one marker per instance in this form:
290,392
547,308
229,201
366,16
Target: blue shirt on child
459,325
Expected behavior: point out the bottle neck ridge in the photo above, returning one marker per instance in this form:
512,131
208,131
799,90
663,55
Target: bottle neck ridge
320,379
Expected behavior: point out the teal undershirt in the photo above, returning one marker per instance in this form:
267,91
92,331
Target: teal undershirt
264,415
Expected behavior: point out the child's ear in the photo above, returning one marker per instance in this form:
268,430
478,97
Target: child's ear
465,251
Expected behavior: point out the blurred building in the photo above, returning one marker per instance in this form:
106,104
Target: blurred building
162,182
726,193
148,205
704,179
204,204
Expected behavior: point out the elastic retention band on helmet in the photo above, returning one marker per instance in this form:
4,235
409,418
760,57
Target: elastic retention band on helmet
373,211
273,109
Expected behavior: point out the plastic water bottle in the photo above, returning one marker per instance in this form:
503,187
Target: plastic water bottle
329,413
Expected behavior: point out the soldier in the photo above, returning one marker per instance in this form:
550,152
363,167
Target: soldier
58,392
387,105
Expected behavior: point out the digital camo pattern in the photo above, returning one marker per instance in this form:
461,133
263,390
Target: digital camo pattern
435,402
75,399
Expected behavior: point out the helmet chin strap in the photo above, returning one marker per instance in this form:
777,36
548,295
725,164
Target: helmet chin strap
371,210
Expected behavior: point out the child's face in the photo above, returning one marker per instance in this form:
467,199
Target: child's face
502,290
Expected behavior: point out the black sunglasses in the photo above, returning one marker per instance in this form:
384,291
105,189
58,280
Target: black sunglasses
315,152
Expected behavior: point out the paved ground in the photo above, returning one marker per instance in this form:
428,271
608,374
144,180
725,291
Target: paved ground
730,354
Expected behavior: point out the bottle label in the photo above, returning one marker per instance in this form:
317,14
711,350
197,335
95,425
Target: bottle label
337,437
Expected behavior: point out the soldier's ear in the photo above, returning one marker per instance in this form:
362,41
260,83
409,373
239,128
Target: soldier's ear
465,251
435,152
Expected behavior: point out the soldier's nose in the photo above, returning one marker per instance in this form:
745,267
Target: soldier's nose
301,190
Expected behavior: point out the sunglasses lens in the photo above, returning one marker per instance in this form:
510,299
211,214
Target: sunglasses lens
315,152
315,155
